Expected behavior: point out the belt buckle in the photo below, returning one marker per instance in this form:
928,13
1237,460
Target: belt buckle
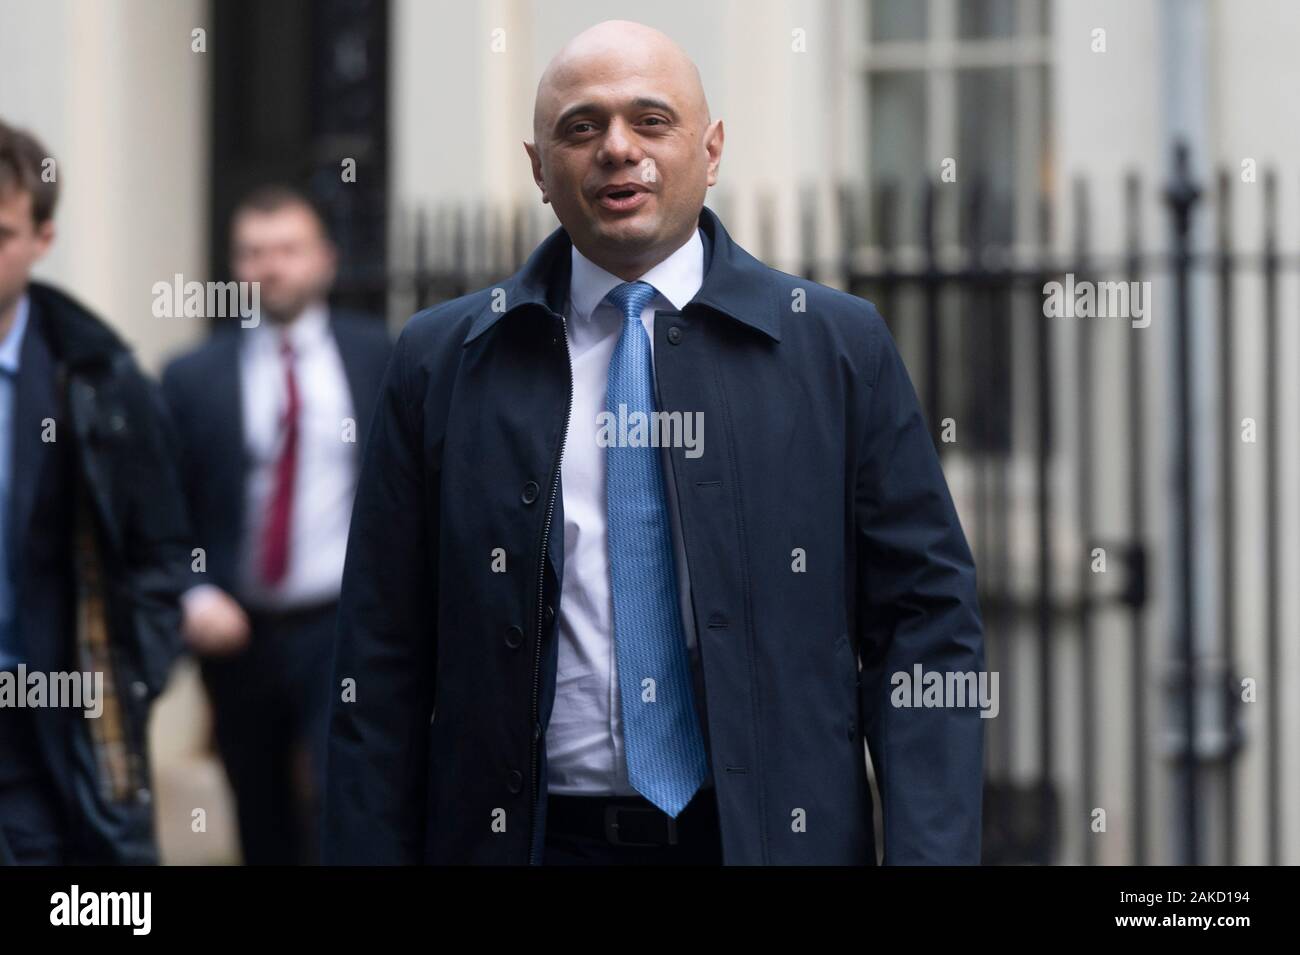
615,838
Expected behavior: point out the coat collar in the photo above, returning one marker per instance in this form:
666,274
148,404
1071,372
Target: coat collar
75,334
736,285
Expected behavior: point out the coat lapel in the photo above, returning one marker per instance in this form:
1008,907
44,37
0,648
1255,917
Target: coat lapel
35,399
225,427
361,388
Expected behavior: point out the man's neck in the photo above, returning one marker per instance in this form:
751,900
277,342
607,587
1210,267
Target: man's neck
285,322
631,271
9,315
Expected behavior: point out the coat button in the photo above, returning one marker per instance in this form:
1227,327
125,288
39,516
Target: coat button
514,638
530,492
516,780
550,614
853,731
139,689
675,335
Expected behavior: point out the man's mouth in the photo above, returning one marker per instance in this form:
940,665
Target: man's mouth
622,197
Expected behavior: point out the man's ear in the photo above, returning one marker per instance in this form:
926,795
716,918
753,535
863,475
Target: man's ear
536,159
45,235
713,138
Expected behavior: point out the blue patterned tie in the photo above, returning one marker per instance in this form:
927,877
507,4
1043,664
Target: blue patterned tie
661,733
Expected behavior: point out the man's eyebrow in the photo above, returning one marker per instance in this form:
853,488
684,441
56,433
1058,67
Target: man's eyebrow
641,102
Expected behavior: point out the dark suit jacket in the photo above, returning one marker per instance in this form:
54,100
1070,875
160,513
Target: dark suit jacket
202,389
814,443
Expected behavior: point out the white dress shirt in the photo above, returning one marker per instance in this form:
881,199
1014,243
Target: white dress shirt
326,475
325,478
584,739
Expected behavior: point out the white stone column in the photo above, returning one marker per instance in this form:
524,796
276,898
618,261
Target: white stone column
112,89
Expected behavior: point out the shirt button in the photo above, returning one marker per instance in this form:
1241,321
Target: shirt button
530,492
514,638
675,335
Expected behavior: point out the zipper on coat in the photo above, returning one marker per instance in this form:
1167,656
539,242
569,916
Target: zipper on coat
541,596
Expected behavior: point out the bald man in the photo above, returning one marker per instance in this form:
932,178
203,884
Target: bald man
648,539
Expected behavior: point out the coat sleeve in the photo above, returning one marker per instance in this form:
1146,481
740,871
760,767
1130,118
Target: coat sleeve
382,694
173,394
155,526
917,607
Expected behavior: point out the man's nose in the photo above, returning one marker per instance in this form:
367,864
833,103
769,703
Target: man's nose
620,144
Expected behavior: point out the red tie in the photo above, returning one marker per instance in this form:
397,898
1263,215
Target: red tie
275,537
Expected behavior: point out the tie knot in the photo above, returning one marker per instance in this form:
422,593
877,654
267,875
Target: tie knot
631,297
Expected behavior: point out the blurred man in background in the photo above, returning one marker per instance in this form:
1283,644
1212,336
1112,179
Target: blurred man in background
93,553
271,419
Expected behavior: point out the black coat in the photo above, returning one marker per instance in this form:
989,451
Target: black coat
103,555
814,441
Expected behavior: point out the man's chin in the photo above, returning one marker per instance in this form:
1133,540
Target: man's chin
279,313
630,232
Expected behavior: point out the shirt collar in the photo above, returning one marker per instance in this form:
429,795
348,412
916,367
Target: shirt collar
11,348
305,332
736,285
676,279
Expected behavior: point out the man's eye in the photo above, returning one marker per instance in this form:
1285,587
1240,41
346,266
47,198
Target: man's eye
577,127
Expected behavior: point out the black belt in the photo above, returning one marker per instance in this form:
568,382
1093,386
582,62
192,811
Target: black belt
630,820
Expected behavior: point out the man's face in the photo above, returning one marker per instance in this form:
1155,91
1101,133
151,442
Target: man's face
625,157
22,244
287,254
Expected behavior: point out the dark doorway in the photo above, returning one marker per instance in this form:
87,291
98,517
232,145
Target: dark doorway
298,87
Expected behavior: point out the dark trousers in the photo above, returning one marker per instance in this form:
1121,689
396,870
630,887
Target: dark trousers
31,824
592,830
271,709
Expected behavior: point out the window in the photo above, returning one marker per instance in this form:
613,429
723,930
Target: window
968,81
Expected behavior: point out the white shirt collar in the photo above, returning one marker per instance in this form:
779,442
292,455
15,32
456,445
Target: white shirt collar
306,331
676,279
11,349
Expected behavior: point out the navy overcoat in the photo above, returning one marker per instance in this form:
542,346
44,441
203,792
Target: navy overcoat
824,553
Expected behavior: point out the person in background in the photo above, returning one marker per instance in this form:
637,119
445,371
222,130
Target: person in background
271,418
93,553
